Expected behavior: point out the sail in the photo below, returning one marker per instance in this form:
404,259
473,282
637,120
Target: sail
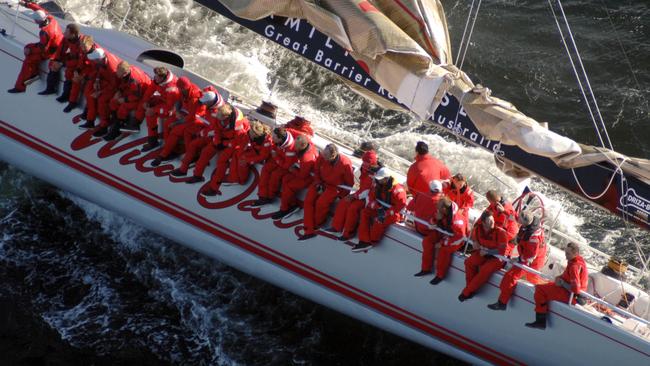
398,43
608,179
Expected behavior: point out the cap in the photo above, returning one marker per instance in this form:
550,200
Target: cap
39,16
435,186
422,148
208,97
96,54
381,174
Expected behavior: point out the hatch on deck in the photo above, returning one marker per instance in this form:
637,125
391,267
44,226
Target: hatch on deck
164,56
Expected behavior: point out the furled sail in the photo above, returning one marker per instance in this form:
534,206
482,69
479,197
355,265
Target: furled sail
398,51
398,43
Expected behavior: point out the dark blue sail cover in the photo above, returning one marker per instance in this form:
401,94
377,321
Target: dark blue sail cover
626,196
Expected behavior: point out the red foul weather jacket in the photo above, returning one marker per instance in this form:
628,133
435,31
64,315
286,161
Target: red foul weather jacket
50,34
133,86
334,174
258,149
232,131
284,155
106,73
496,239
463,197
167,90
576,274
425,169
190,103
69,53
506,219
424,207
530,245
305,163
395,198
456,226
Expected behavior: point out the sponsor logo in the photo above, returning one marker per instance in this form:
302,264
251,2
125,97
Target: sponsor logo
635,205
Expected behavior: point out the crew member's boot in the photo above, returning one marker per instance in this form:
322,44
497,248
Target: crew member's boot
152,143
113,130
67,86
539,323
52,83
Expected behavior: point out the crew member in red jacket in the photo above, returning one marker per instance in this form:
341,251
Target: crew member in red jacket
386,200
283,155
451,238
460,192
67,54
131,86
256,151
159,101
183,123
333,178
573,280
532,253
231,128
504,214
50,37
196,141
234,138
299,175
82,71
100,88
425,169
185,116
424,207
489,240
301,125
348,210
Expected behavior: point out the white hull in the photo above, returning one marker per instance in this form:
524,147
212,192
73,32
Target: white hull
377,287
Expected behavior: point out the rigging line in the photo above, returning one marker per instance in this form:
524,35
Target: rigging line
575,72
620,43
618,170
584,71
469,37
462,40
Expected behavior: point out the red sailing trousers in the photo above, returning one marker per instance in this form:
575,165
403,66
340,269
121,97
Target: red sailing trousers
98,106
160,110
549,292
185,131
429,250
371,230
30,66
207,153
445,255
509,281
192,150
291,186
346,216
317,206
122,110
224,162
270,179
478,270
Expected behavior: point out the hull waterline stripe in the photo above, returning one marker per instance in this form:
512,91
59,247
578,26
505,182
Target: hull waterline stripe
369,300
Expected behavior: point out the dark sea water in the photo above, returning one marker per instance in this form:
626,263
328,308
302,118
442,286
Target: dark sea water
80,285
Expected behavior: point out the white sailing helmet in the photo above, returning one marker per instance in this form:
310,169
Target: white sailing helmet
39,16
96,54
435,186
211,98
381,174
